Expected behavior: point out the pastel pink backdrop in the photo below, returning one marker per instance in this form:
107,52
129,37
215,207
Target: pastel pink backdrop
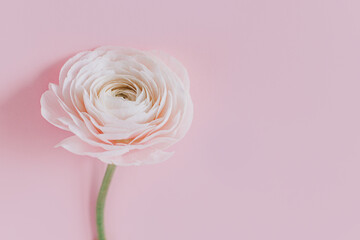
274,149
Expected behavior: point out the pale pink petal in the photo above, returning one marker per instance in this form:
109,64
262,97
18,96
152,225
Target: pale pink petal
139,157
75,145
51,109
175,66
124,106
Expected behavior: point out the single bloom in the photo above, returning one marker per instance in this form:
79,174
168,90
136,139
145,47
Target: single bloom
124,106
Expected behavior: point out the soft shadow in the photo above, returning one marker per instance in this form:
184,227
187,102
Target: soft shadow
23,130
29,139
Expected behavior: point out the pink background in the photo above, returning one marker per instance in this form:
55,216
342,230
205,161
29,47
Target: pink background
274,149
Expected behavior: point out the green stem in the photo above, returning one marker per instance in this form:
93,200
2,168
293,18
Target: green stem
100,204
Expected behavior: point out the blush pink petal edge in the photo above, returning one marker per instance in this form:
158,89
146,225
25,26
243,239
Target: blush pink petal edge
56,111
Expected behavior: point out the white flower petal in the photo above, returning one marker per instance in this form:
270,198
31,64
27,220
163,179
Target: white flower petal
124,106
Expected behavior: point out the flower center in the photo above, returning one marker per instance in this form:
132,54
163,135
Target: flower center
124,92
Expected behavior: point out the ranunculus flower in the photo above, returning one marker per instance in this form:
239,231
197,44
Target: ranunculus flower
124,106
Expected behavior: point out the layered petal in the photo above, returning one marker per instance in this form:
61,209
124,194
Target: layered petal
124,106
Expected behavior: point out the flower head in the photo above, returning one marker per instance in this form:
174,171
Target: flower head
124,106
